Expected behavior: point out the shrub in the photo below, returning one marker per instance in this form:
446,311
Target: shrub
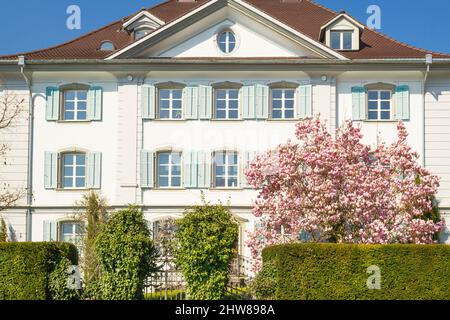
27,270
205,238
340,271
126,255
94,215
265,283
3,231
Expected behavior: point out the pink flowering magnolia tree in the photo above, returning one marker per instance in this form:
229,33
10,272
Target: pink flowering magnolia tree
336,189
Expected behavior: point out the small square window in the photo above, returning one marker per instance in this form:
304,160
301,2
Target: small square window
341,40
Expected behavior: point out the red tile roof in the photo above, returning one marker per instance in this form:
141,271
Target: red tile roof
305,16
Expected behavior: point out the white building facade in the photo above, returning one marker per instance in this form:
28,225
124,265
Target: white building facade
176,100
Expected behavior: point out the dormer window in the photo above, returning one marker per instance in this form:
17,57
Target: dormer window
342,40
342,33
107,46
140,33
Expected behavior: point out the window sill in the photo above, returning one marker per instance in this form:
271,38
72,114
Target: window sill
74,121
284,120
72,189
227,120
226,189
379,121
167,120
167,189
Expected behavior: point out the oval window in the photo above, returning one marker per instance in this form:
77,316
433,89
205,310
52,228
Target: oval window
107,46
227,41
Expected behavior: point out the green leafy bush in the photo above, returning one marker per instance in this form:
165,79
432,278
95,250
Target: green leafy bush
339,271
3,231
205,240
126,255
27,270
264,285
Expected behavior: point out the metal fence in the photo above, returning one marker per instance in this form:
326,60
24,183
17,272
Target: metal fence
168,282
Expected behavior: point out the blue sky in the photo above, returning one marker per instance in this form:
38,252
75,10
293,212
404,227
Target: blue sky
30,24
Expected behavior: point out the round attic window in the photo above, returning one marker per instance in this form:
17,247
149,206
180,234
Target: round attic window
226,41
107,46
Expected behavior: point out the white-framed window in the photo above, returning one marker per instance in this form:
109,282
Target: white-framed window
169,169
227,104
140,33
73,170
226,169
71,231
75,105
283,103
379,105
341,40
170,103
226,41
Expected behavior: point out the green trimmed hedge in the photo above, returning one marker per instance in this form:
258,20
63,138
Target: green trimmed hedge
340,272
25,268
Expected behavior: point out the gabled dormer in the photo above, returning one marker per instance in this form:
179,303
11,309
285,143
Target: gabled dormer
142,24
342,33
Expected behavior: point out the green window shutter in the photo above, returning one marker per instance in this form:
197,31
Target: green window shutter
248,102
94,170
52,106
148,102
403,103
304,101
247,158
190,163
204,169
95,103
51,170
358,103
50,231
205,102
262,101
147,169
191,102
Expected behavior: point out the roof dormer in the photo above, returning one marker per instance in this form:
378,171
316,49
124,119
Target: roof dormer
142,24
342,33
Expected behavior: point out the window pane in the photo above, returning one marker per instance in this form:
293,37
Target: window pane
68,171
233,171
221,114
373,95
233,104
233,94
80,183
176,104
81,105
68,183
221,94
277,94
176,114
289,114
220,159
220,170
277,114
220,182
176,170
81,115
289,104
335,40
164,94
81,171
385,105
163,158
373,115
69,105
176,158
164,104
385,95
223,37
68,159
164,114
176,182
232,183
276,104
163,170
176,94
385,115
221,104
69,95
80,160
373,105
163,182
69,115
289,94
232,158
67,228
233,114
348,40
82,95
